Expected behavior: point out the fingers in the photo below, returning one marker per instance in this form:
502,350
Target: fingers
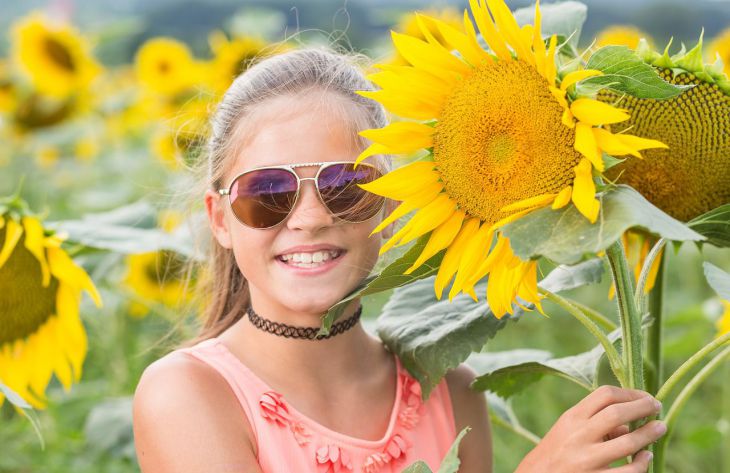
605,396
631,443
618,414
617,432
639,465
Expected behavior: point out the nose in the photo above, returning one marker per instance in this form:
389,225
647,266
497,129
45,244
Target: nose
309,213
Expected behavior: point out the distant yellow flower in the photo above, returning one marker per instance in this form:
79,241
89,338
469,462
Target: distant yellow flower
86,149
723,323
166,66
626,35
232,57
47,156
55,56
506,138
41,333
157,277
721,47
7,89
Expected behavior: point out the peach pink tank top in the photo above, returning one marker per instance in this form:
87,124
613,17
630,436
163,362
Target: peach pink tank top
288,441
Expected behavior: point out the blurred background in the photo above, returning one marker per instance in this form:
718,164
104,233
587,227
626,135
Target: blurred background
103,108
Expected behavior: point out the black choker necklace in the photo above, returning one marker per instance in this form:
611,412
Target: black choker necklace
308,333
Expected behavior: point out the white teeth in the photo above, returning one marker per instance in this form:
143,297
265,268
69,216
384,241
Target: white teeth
308,260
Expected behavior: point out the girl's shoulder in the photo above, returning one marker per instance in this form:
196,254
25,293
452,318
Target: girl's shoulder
180,401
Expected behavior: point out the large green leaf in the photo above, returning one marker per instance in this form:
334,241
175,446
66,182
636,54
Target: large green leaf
128,230
108,428
509,372
431,337
625,72
565,235
13,397
562,19
715,225
450,463
718,279
392,276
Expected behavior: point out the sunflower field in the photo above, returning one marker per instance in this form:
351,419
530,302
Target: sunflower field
564,214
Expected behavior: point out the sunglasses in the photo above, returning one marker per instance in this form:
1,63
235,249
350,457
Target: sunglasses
264,197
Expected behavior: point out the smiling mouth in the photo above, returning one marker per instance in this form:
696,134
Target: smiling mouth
310,260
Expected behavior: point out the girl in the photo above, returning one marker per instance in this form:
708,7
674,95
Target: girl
255,392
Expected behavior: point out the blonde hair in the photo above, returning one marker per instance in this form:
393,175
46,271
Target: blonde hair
222,290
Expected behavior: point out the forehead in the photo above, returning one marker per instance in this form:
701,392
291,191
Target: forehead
290,130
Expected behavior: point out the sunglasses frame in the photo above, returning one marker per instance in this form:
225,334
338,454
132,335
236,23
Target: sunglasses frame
290,168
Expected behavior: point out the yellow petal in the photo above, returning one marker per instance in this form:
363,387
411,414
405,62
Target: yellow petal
404,181
402,137
415,201
402,105
538,43
577,76
471,51
511,218
584,191
475,251
585,144
493,39
64,269
596,113
440,238
563,198
429,217
451,260
510,30
639,143
550,70
414,85
34,244
12,235
430,57
536,201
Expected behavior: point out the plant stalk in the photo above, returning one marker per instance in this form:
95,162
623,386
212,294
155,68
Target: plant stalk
654,334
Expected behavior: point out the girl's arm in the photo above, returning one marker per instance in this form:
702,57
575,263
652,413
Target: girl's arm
187,420
594,433
470,408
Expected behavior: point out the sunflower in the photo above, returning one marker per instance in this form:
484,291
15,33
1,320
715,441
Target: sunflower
720,46
691,176
55,56
156,277
723,323
409,25
40,290
166,66
506,136
232,57
626,35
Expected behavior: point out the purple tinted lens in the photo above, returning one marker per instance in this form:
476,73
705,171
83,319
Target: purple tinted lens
263,198
338,185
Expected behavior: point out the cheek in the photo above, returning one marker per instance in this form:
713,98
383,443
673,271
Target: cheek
251,251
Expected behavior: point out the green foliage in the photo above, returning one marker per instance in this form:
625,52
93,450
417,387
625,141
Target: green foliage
714,225
565,235
624,72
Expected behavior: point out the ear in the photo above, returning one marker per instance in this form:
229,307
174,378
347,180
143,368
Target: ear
390,206
215,208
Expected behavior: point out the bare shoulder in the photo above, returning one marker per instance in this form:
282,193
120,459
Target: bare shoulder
470,408
187,419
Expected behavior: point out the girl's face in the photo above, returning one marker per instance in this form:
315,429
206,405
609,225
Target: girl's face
292,130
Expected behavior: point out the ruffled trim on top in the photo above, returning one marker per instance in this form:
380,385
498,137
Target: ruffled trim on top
333,458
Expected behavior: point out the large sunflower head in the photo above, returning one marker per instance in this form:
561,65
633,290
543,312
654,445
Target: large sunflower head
41,333
410,24
506,136
165,66
691,176
55,56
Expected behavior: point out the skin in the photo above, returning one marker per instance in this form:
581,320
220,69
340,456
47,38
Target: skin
359,371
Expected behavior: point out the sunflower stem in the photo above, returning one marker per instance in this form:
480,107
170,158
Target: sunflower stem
655,378
680,401
614,359
517,429
597,317
629,316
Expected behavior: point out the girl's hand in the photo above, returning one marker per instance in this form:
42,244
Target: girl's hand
591,435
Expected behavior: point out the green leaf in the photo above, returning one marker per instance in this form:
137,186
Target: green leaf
565,235
715,225
718,279
501,413
128,230
391,277
450,463
509,372
562,19
431,337
108,428
14,397
625,72
26,410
